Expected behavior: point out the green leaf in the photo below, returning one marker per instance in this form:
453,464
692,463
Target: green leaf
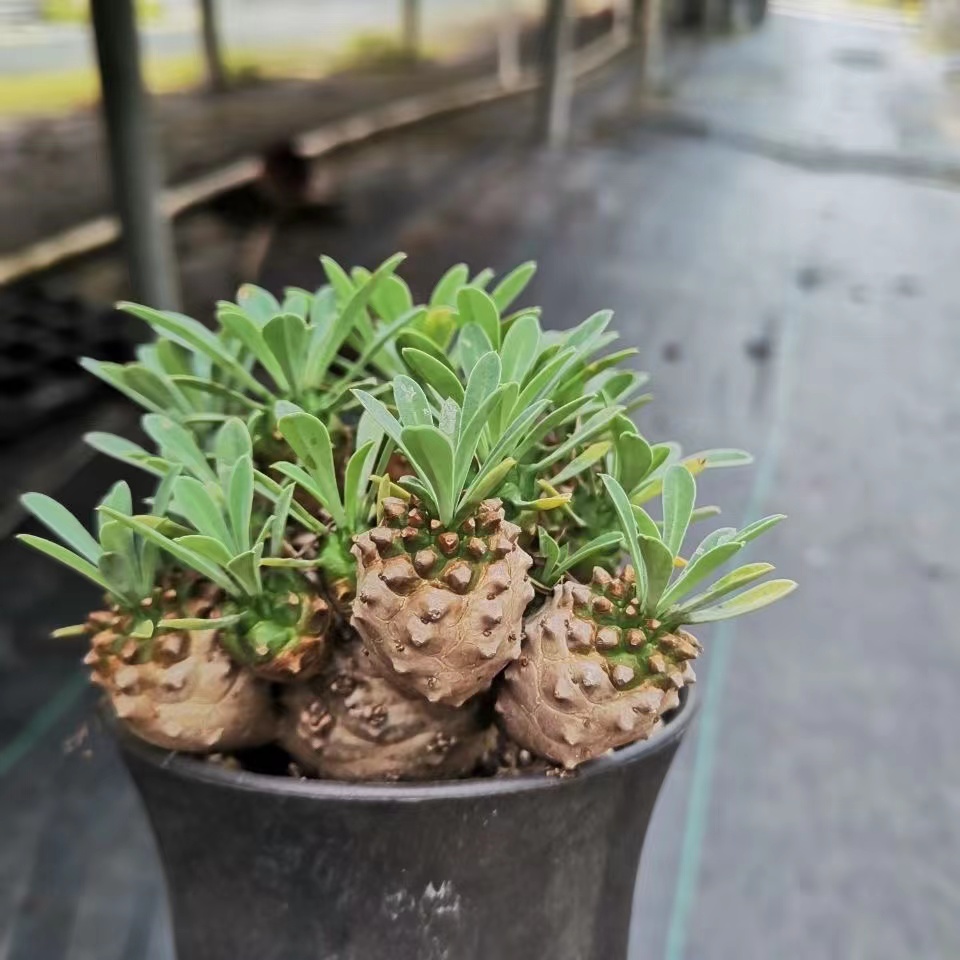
67,557
418,340
240,500
593,426
251,334
698,568
232,442
177,444
258,303
217,390
119,498
286,336
486,482
646,525
593,453
476,306
431,455
245,569
472,344
520,348
445,292
380,415
732,581
323,351
120,449
658,563
198,623
753,530
194,501
354,478
551,553
433,372
483,381
634,459
193,334
628,526
449,420
189,558
113,374
278,524
705,459
472,432
412,404
513,284
310,441
752,599
679,494
586,334
207,547
60,521
392,298
601,544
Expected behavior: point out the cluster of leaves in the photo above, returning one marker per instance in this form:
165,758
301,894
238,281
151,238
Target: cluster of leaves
287,421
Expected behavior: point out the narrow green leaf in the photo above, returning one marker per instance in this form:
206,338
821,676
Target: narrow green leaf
113,375
433,372
240,500
419,340
645,523
593,453
732,581
67,557
634,458
431,455
603,543
753,599
232,442
177,444
250,333
520,348
195,502
259,304
354,480
286,336
628,526
658,563
207,547
699,568
449,420
679,494
245,569
60,521
310,441
278,523
485,484
705,459
477,306
198,623
392,298
218,390
472,344
445,292
380,415
483,381
513,284
412,404
551,553
193,334
753,530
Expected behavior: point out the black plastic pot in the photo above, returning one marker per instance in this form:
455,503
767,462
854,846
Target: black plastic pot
270,868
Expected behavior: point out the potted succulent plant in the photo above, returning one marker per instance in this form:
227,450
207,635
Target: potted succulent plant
395,653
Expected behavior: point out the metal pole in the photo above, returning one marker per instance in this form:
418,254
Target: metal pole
556,90
508,45
212,53
134,161
622,20
651,44
411,27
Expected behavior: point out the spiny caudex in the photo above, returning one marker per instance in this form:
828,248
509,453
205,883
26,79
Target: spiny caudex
604,662
359,502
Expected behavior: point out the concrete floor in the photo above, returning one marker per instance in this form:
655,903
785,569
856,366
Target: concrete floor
795,292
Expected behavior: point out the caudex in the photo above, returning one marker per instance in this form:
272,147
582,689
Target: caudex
389,536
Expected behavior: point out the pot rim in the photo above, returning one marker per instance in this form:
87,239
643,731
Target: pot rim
187,767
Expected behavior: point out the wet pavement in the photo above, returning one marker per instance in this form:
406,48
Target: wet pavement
804,308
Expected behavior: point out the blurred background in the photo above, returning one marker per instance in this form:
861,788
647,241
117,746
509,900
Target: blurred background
769,200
